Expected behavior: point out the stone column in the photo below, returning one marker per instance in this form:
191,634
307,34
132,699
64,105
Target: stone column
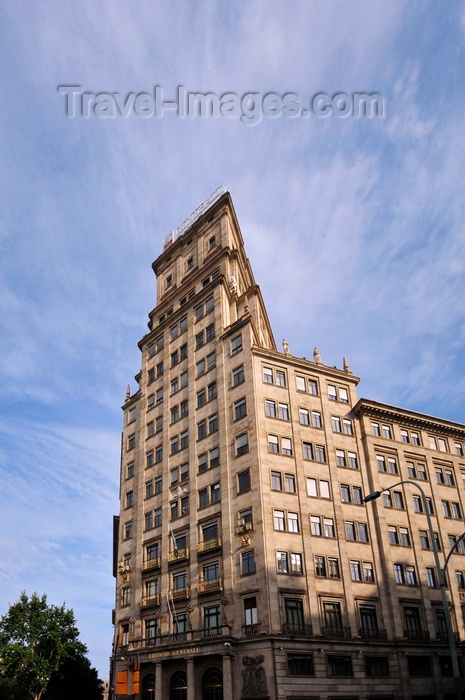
158,681
190,680
227,676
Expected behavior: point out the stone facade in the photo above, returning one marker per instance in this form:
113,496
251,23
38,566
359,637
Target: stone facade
247,564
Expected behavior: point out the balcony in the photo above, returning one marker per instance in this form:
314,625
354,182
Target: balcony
371,633
441,636
149,564
147,600
179,593
190,635
215,584
251,630
293,629
209,545
335,632
178,555
416,635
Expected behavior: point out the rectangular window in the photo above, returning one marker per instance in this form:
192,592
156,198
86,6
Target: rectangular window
276,481
316,419
238,375
270,408
242,444
282,562
304,416
236,344
283,411
339,665
300,665
278,520
313,387
280,378
336,424
240,409
243,481
248,563
376,666
268,375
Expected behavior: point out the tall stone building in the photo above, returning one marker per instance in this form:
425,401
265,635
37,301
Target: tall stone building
247,564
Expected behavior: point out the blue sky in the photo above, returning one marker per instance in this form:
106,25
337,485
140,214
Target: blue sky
354,227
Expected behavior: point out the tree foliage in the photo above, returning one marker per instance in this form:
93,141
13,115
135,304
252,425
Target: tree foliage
37,640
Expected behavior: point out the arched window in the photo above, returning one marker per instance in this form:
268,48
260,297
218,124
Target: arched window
178,686
212,685
148,687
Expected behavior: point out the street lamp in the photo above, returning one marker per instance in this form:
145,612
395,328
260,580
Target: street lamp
441,573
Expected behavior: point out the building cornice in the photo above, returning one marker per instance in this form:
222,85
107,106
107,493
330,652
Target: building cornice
375,409
305,365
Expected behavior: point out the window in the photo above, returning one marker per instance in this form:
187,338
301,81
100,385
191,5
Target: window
300,665
386,430
240,409
332,392
278,520
250,615
347,426
356,531
296,564
243,481
376,666
276,481
318,488
236,344
375,429
313,387
131,415
455,541
352,460
336,424
327,567
270,408
368,573
307,450
238,375
289,483
355,571
449,477
248,563
294,614
322,526
242,444
282,562
159,424
316,419
419,666
149,489
293,522
283,411
286,446
339,665
131,442
129,499
130,470
460,579
273,443
210,332
151,627
431,577
405,574
268,375
280,378
304,416
351,494
128,529
213,423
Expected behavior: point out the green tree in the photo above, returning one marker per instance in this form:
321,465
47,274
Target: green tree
74,680
35,641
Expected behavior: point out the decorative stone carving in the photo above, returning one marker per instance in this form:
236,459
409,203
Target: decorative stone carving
253,678
317,356
285,347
